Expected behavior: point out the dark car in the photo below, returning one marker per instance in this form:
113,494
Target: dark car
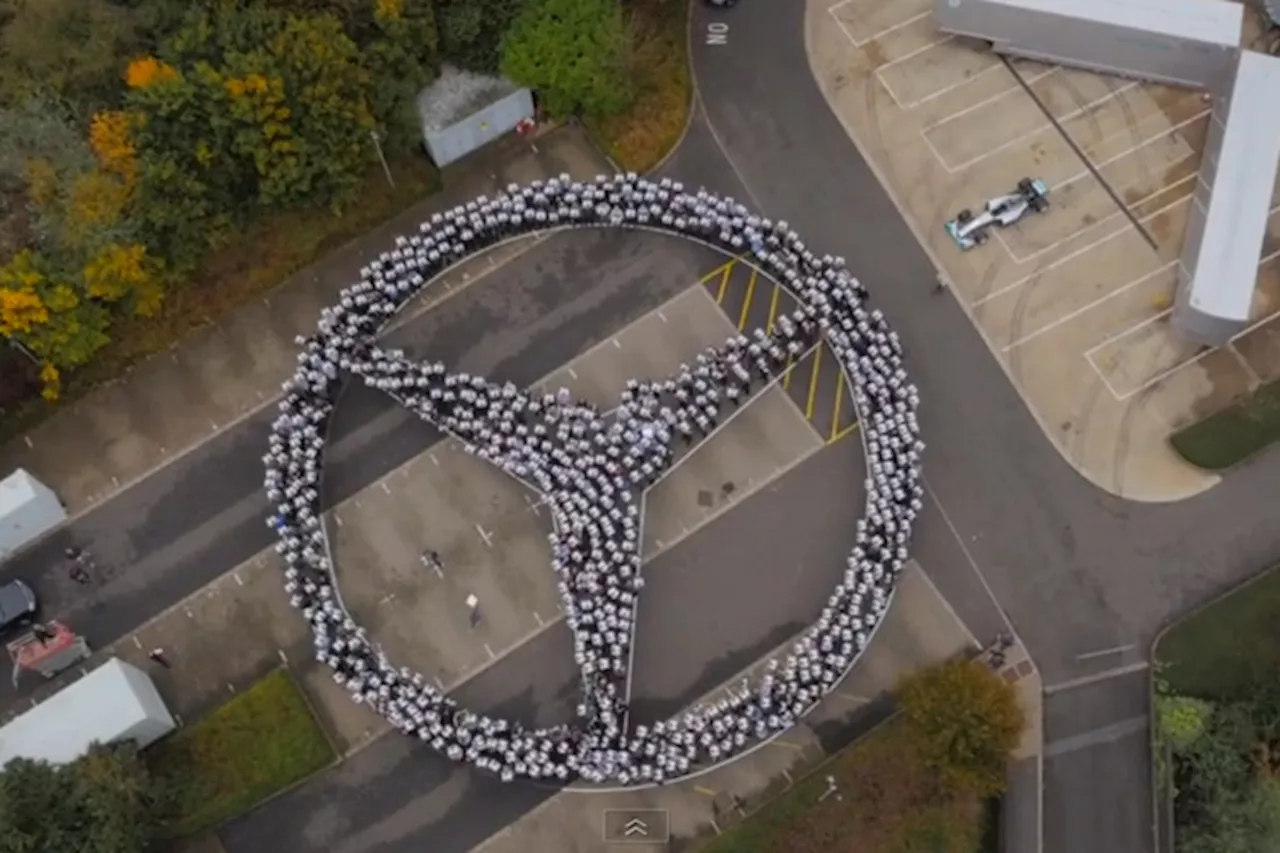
18,606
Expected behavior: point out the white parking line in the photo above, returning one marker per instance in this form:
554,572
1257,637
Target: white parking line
1092,226
1102,164
1040,129
991,100
1067,318
1165,374
1000,291
859,43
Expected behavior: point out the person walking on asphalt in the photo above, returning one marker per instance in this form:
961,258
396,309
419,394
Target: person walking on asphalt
159,657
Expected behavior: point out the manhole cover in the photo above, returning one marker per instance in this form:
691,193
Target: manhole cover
705,498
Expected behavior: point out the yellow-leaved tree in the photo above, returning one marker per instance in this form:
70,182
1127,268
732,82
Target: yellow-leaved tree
118,272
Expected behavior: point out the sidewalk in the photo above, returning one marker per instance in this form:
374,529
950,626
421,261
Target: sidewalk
99,445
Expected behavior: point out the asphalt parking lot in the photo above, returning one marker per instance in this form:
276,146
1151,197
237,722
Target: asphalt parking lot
1075,302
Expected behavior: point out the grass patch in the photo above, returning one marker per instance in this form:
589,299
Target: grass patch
1233,435
1223,652
254,746
252,263
890,802
638,138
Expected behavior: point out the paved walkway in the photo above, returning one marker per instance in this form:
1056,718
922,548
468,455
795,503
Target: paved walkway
173,402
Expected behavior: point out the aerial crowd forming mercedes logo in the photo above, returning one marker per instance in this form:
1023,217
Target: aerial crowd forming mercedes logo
592,469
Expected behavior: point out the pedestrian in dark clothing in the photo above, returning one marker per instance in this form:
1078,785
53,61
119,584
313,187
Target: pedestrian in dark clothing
79,575
159,657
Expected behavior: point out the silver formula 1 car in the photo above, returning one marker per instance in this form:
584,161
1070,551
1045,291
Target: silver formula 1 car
969,229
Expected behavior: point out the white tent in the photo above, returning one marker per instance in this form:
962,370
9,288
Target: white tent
114,703
28,508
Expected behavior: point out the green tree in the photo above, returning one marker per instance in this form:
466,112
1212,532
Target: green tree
471,31
400,53
70,49
102,803
45,310
573,52
966,721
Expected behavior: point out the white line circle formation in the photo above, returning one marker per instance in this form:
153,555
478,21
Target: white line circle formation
591,470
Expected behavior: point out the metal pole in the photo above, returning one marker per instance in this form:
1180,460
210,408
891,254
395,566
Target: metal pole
22,348
382,158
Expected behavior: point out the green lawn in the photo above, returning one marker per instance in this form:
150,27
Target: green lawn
1234,434
1224,650
889,803
256,745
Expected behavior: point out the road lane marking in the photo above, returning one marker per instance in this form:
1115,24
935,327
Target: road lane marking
1097,737
1086,680
835,413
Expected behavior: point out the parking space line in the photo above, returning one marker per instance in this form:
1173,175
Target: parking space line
746,302
991,100
1074,114
813,384
1119,214
860,43
1165,374
1067,318
1115,158
1000,291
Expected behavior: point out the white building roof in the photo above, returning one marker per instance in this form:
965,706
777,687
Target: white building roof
1200,21
16,491
102,707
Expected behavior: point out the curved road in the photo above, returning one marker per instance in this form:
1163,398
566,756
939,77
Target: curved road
1075,569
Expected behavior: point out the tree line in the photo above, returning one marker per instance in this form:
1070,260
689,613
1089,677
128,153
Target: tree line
136,135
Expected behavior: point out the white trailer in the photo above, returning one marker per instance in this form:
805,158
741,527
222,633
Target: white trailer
114,703
28,508
1180,42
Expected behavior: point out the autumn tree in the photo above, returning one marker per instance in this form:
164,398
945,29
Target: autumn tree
70,50
573,52
399,49
966,721
101,803
44,309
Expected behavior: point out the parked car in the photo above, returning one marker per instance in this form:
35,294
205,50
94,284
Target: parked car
19,607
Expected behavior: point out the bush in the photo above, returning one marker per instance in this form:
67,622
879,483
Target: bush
102,803
966,721
889,801
640,136
256,745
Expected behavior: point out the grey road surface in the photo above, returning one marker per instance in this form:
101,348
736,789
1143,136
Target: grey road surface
1076,569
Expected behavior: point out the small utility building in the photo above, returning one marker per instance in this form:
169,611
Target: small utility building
462,112
116,702
28,508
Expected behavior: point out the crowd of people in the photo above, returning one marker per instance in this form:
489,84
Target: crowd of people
592,469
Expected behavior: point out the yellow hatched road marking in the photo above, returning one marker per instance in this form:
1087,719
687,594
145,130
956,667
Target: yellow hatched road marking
773,308
786,377
704,790
835,414
853,427
746,303
813,384
706,277
724,283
